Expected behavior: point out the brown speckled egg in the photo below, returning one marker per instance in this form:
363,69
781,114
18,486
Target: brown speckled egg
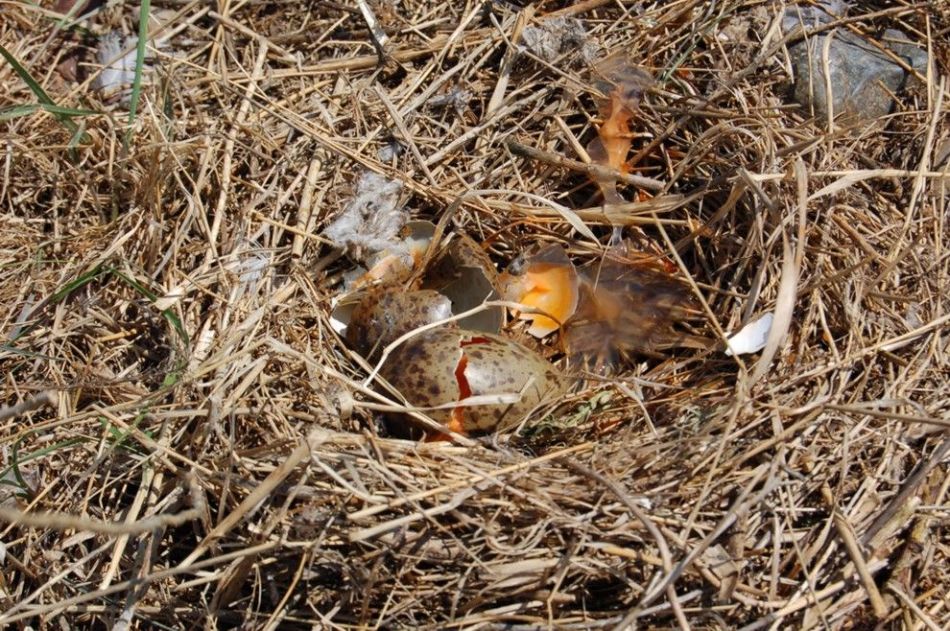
383,316
445,366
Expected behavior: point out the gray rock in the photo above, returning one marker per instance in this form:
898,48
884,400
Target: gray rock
812,15
862,78
915,56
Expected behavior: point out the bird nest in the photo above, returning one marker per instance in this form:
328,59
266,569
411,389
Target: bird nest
187,441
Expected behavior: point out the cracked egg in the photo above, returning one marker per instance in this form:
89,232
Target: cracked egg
465,376
446,366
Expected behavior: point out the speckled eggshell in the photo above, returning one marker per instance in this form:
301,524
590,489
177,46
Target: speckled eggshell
383,317
464,252
424,370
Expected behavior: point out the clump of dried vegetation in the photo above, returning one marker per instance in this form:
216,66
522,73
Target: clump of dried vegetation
187,442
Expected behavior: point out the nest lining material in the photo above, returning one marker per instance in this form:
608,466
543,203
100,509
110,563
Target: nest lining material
188,442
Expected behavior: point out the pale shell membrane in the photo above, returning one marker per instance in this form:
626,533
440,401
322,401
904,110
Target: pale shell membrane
464,274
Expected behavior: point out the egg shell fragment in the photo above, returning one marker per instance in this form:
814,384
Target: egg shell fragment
546,281
445,366
465,274
396,263
383,316
751,338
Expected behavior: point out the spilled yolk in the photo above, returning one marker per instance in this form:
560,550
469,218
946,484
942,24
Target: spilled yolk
552,289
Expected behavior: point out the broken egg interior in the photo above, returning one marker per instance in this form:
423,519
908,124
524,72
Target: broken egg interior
461,273
462,374
547,283
395,264
386,268
464,274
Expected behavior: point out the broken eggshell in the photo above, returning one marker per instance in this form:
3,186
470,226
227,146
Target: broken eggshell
444,366
396,263
387,267
383,316
466,276
545,282
751,338
461,275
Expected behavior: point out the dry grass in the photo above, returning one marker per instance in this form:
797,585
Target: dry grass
191,445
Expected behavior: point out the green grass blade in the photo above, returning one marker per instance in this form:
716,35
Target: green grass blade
16,460
8,350
37,89
27,78
59,110
168,314
59,296
139,63
77,283
120,437
19,111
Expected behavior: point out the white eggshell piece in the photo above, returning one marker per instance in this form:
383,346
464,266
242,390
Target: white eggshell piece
750,338
340,314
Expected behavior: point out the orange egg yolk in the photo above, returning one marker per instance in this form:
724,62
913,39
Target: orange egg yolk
552,289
